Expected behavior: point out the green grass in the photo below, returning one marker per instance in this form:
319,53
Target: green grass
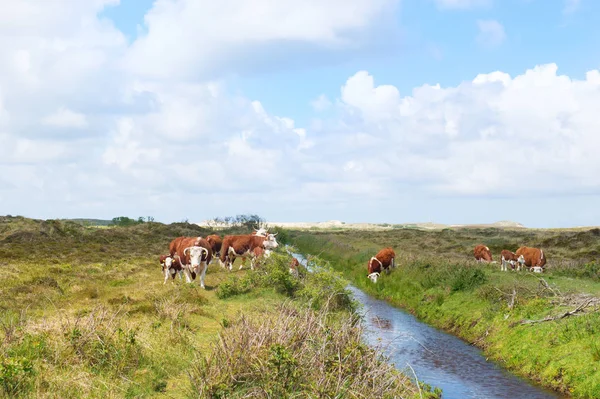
84,314
438,281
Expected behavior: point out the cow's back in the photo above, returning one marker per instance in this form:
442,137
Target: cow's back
508,255
385,256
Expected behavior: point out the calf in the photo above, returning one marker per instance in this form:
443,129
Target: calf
294,266
533,258
170,266
383,260
195,254
482,253
243,246
508,258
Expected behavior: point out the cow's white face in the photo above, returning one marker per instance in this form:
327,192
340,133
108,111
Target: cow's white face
374,276
270,242
196,256
537,269
521,259
168,263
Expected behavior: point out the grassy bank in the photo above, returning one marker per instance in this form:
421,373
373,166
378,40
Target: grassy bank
501,312
84,313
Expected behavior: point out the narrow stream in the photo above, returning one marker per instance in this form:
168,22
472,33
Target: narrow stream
438,358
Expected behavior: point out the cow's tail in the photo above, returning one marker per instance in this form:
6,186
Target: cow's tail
542,254
224,251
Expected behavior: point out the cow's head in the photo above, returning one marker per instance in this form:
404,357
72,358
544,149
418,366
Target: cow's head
270,241
262,232
373,276
195,255
521,260
167,263
537,269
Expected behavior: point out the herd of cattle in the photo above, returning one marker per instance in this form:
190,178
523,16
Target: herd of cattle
192,255
526,257
529,258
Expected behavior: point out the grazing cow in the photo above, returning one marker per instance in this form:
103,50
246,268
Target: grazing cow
294,266
533,258
508,258
170,266
195,254
215,244
482,253
243,246
383,260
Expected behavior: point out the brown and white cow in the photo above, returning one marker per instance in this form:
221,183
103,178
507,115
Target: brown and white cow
384,259
195,254
170,266
533,258
508,258
482,253
215,244
294,266
243,246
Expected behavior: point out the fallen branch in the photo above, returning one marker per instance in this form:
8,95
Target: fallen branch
545,285
562,316
513,297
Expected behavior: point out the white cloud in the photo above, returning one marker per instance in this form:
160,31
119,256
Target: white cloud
152,142
533,133
491,33
461,4
66,118
212,34
321,103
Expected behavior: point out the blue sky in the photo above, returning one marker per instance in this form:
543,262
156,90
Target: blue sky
302,111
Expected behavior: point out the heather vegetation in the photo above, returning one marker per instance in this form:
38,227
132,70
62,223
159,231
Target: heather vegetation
542,326
84,314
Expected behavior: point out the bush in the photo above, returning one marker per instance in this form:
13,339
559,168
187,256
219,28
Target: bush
295,353
466,278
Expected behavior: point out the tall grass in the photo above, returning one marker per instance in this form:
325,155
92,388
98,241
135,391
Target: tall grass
297,353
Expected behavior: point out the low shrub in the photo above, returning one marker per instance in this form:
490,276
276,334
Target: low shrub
296,353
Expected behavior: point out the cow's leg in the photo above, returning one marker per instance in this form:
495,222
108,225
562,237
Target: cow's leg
393,262
166,276
203,266
187,275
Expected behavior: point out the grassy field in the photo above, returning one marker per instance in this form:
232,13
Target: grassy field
84,313
501,312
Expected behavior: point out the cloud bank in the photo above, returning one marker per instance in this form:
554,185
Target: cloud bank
91,125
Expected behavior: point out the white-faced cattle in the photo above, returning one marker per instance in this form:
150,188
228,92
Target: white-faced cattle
195,254
508,258
482,253
243,246
531,258
383,260
170,266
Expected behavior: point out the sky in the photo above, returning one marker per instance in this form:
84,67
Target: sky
383,111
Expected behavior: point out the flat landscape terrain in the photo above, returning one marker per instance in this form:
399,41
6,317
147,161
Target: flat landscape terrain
84,314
